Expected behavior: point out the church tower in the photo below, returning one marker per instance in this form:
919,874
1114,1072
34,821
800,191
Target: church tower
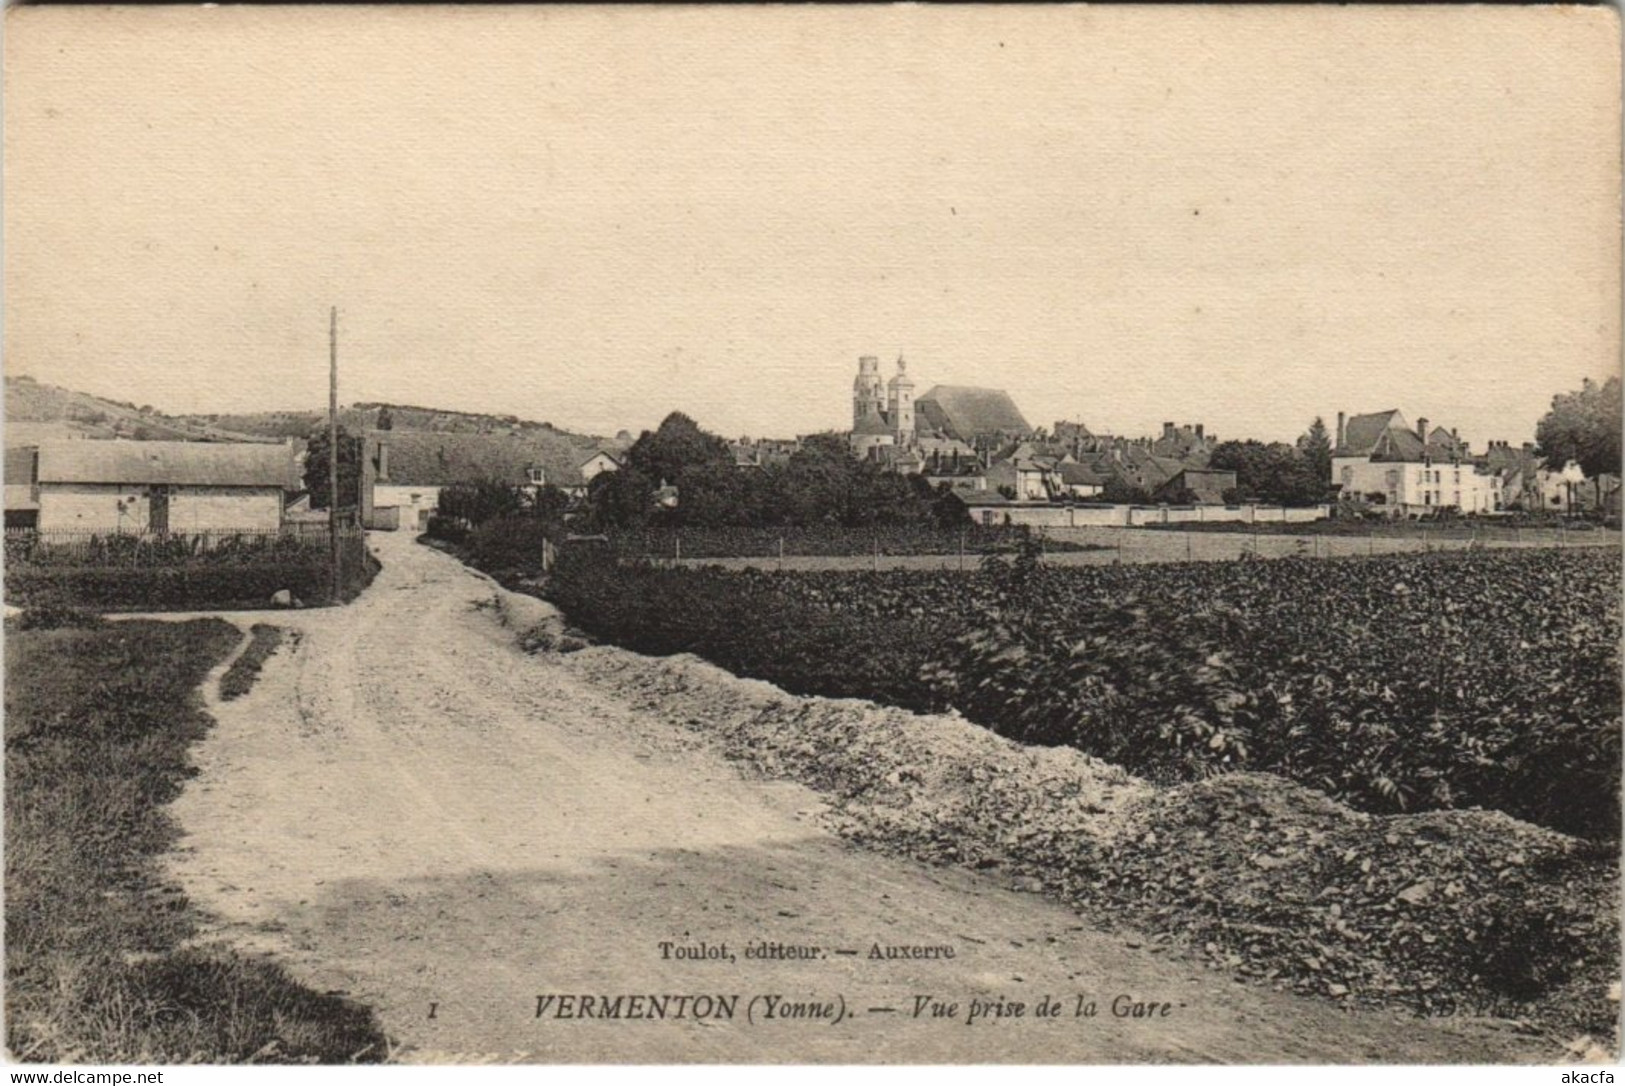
901,399
868,395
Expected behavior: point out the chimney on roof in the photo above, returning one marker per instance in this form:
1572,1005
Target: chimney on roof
1198,431
1422,429
1167,431
1528,446
1342,428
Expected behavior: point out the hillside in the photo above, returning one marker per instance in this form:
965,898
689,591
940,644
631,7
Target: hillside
366,415
36,412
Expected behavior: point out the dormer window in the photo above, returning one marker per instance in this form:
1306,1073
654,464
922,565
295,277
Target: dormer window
537,476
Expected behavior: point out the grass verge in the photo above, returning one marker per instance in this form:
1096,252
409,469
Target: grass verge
240,676
99,966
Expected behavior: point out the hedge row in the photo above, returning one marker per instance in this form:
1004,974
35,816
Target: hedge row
195,586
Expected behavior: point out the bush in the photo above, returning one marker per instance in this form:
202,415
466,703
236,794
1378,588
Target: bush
166,588
446,529
201,583
122,550
509,545
477,502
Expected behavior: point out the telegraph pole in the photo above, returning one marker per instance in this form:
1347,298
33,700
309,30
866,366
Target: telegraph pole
333,449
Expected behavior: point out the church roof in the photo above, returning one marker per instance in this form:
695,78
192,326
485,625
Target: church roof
964,412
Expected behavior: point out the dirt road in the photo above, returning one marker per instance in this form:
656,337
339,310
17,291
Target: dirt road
411,810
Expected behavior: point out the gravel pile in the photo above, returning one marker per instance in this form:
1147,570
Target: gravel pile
1464,912
1460,912
937,787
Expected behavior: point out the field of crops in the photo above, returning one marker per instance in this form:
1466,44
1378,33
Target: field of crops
1408,682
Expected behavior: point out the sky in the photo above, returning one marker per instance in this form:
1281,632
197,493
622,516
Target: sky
1244,217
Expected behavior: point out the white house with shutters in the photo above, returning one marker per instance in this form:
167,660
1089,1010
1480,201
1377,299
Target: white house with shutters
1379,458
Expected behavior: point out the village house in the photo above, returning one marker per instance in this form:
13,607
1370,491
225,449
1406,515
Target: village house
1379,458
1188,443
1520,472
158,486
595,465
1026,479
952,463
1133,464
1196,486
763,452
1081,480
1562,491
1183,444
970,477
405,470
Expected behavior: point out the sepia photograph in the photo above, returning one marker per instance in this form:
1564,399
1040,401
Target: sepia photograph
812,535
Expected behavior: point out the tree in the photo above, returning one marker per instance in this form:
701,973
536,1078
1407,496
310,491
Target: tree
1275,473
823,483
676,450
1583,427
551,503
678,453
315,478
620,499
475,503
713,493
1316,447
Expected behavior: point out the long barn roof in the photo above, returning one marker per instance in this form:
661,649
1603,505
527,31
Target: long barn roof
181,463
431,458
